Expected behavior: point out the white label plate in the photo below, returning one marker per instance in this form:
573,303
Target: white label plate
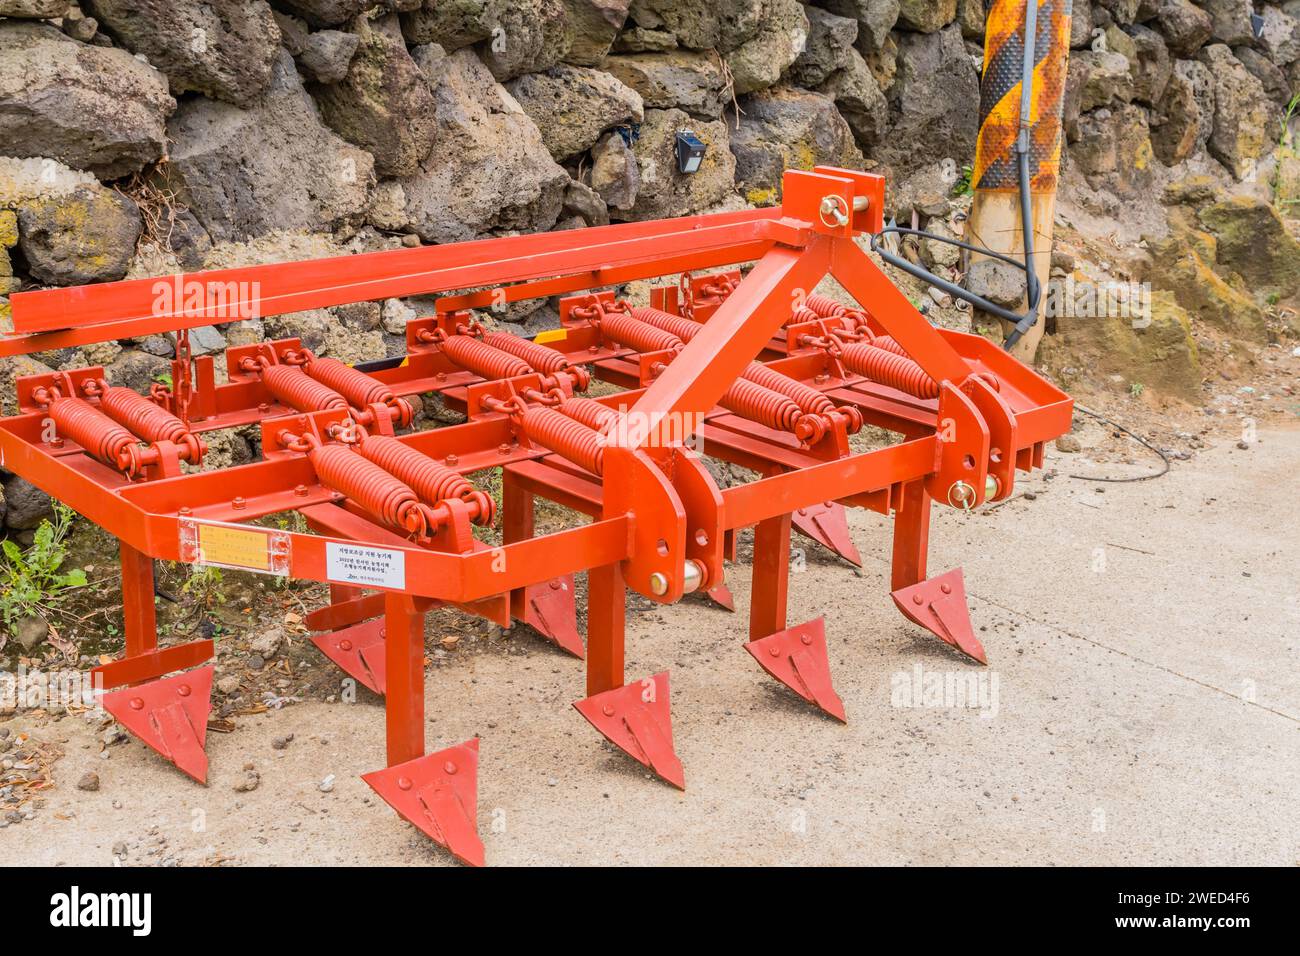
367,567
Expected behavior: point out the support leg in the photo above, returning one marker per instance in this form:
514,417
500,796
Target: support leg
437,793
517,509
606,612
911,537
404,694
771,577
140,621
171,714
938,605
796,656
548,607
342,593
636,716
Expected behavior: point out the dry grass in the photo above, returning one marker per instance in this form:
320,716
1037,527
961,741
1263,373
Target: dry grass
158,205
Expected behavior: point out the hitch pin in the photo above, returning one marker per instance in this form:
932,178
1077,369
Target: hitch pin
961,495
834,210
692,578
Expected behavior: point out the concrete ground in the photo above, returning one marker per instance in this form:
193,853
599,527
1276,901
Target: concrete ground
1143,638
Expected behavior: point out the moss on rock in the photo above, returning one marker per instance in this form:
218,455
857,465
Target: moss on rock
1182,267
1254,243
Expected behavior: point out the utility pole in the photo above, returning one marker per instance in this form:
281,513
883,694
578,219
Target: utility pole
1016,120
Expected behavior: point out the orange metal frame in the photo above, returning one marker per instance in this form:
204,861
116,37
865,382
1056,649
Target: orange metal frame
658,525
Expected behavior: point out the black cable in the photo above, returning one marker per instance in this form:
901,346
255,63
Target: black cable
1138,438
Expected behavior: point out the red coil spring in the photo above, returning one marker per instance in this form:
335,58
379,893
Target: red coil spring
762,405
804,314
433,482
482,359
635,334
889,368
357,387
375,490
539,357
805,396
564,436
684,329
889,345
94,431
590,412
299,390
825,307
149,421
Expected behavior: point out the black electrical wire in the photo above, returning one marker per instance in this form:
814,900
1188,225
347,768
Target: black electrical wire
1025,321
1138,438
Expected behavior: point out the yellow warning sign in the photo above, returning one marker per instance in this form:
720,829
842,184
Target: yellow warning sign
234,547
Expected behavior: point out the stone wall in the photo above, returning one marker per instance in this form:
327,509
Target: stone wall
144,137
438,122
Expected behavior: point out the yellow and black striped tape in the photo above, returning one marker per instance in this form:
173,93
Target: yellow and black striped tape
1004,58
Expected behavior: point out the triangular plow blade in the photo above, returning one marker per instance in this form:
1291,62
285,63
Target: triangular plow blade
828,525
359,651
636,718
797,658
720,595
550,610
439,794
170,715
939,606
